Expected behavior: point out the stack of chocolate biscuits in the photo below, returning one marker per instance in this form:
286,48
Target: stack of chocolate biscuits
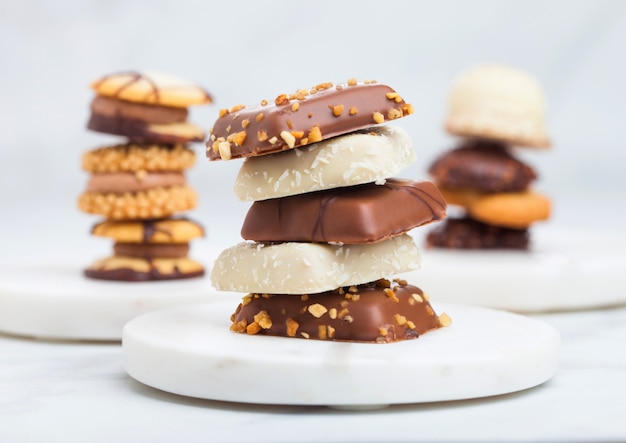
140,186
327,229
493,108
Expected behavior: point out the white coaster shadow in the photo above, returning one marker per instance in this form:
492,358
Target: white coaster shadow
55,301
192,352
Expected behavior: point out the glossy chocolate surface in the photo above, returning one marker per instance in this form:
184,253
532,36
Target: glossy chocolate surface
466,233
482,166
296,120
112,107
136,130
151,250
366,313
352,215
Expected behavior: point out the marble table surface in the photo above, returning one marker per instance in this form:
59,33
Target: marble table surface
77,392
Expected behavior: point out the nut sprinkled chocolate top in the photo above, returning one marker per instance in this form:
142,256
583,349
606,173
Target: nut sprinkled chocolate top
307,116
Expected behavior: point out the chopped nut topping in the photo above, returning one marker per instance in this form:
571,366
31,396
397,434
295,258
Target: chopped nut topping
343,313
224,112
393,114
353,110
378,117
253,328
304,297
383,283
261,136
310,114
445,320
400,319
239,326
410,324
304,334
237,108
417,298
337,109
400,281
407,109
295,106
259,117
273,140
332,313
321,332
263,102
292,327
341,291
366,82
331,331
246,300
228,128
245,123
411,302
315,135
317,310
430,310
348,318
323,86
282,99
239,138
224,149
392,95
289,138
304,141
356,297
289,124
352,82
344,304
297,134
382,332
426,296
353,289
391,294
263,319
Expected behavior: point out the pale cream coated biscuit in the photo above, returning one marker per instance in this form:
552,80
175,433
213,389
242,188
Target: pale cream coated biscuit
170,230
500,103
366,156
154,88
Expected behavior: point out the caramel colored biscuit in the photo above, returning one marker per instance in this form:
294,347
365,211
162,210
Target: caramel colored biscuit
499,103
366,213
302,118
137,269
169,230
153,203
134,157
152,88
360,157
378,312
111,107
139,131
304,268
517,210
466,233
482,166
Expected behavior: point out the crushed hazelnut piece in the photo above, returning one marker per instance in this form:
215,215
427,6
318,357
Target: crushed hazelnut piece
337,109
295,106
323,86
224,112
356,297
411,302
297,134
224,149
273,140
263,102
310,114
332,313
391,294
410,324
239,138
400,319
331,331
344,304
426,296
342,313
383,283
430,310
341,291
245,123
445,320
253,328
239,326
366,82
304,334
315,135
317,310
392,95
237,108
289,124
261,136
400,281
353,110
289,138
304,141
282,99
292,327
259,117
417,298
348,318
263,319
353,289
378,117
246,300
407,109
304,297
382,332
321,332
393,114
352,82
228,128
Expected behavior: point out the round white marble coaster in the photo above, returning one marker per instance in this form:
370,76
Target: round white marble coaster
55,301
564,270
191,352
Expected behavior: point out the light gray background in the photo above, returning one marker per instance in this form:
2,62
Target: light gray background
243,51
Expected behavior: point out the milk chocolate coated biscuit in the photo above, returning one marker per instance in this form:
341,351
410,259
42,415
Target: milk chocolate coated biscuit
466,233
377,312
365,156
483,166
151,250
308,116
138,269
169,230
154,88
114,108
139,131
358,214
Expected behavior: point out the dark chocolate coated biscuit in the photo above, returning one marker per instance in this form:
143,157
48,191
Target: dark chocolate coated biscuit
308,116
366,213
467,233
482,166
377,312
139,131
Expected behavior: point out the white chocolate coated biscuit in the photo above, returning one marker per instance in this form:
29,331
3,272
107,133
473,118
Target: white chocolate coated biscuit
308,268
360,157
